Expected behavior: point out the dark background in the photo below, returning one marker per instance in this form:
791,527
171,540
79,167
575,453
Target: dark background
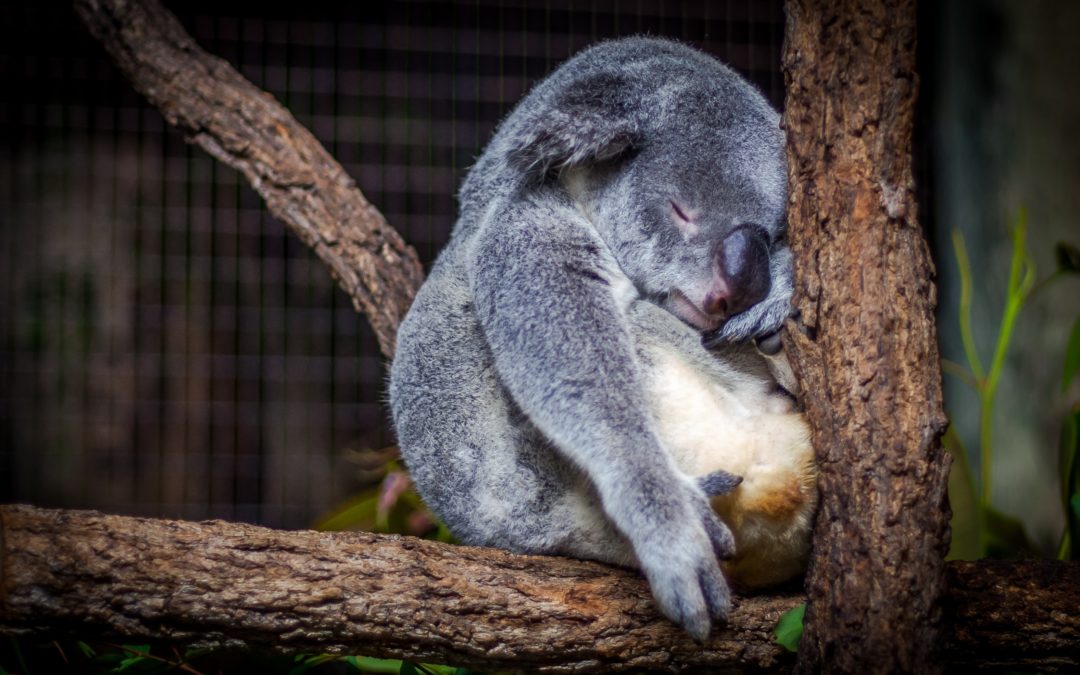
166,348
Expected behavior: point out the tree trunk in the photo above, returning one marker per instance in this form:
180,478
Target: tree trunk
864,344
247,129
224,584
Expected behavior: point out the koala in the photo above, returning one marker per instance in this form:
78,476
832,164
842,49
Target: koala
631,205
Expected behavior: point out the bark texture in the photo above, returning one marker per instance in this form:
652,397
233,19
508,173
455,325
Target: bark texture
247,129
225,584
864,345
219,583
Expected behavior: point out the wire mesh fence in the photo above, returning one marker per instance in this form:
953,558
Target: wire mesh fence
166,348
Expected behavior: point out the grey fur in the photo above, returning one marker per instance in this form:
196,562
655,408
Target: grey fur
518,390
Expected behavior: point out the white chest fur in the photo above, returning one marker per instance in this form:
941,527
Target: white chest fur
753,433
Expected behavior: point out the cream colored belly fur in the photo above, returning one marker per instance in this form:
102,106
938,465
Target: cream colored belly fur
752,434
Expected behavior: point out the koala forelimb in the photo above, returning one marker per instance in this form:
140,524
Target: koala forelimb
633,201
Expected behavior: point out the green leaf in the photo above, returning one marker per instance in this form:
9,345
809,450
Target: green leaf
309,662
1072,356
356,514
1068,257
1069,466
434,669
1068,451
86,649
407,668
367,664
136,657
131,662
1074,527
789,628
192,653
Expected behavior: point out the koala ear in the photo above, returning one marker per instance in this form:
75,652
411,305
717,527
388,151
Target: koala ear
590,121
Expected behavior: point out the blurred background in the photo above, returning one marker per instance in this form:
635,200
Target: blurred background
168,349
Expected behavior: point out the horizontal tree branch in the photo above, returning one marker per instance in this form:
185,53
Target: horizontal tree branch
245,128
227,584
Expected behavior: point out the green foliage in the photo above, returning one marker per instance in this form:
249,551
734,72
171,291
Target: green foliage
305,662
1069,549
367,664
396,667
789,628
25,657
391,507
1072,356
978,528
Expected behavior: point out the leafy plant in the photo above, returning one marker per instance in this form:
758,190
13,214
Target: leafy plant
24,656
789,628
978,528
1069,453
390,507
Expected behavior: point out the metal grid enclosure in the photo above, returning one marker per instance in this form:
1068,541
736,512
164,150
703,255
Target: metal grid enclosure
166,348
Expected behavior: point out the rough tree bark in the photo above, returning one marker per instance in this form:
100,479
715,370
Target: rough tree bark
864,345
216,583
247,129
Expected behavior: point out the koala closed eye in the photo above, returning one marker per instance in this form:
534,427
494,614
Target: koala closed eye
602,231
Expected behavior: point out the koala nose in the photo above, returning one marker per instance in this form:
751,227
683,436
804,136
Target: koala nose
743,265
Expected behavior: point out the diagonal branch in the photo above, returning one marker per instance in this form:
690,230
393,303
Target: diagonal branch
247,129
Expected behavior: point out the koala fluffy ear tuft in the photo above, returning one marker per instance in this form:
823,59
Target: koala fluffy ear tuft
591,121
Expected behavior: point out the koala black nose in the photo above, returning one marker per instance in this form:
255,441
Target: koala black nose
743,263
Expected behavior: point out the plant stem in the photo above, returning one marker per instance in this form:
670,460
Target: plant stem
958,371
966,335
1021,281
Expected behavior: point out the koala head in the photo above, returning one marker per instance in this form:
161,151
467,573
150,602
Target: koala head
679,164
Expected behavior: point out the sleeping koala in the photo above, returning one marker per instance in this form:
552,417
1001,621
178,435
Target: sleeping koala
632,202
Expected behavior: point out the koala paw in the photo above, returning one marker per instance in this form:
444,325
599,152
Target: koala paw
761,320
718,483
684,572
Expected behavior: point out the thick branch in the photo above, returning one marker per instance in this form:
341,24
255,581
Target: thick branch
865,346
224,583
247,129
217,583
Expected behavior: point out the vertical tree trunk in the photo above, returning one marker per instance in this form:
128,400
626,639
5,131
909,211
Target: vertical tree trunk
864,345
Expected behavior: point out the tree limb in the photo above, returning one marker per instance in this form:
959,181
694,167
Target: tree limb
228,584
247,129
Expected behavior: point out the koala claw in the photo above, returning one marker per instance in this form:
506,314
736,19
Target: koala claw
769,345
691,596
723,542
717,595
